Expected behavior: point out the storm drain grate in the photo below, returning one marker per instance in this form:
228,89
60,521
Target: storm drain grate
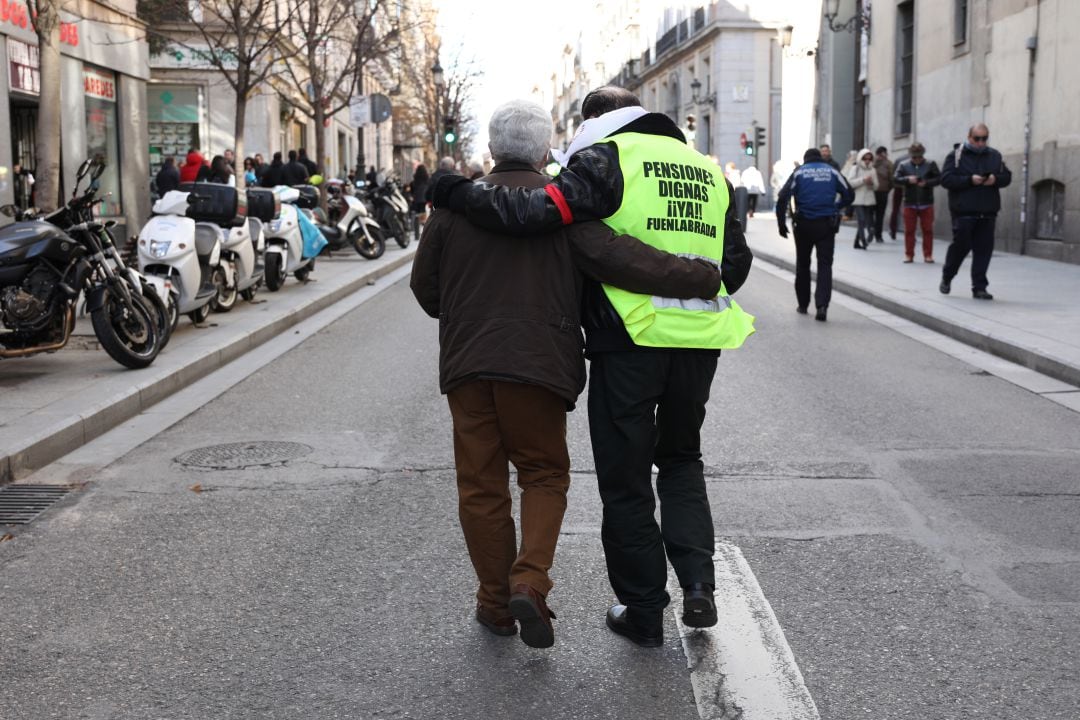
236,456
19,504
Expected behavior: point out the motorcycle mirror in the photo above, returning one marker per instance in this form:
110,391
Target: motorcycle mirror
9,210
99,168
83,169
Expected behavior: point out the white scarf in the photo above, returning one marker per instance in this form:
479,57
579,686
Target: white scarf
597,128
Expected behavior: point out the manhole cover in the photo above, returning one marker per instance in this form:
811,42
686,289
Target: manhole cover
19,504
235,456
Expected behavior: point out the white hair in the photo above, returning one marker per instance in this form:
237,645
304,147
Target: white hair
520,130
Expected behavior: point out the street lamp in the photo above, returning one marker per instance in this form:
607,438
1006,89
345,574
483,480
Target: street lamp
695,94
832,9
439,81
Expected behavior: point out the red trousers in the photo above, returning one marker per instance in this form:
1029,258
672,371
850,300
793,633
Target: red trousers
924,217
497,423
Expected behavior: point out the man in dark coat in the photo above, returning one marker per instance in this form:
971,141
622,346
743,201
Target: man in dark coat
274,173
168,177
294,172
974,174
446,167
511,364
308,163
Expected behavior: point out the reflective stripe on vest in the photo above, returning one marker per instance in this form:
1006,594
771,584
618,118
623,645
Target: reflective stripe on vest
674,199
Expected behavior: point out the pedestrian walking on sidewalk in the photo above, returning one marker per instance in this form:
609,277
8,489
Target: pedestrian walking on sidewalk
653,360
918,177
884,168
755,187
820,194
863,178
974,174
511,364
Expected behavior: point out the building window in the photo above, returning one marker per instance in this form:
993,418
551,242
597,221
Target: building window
905,65
1050,210
173,114
102,139
960,22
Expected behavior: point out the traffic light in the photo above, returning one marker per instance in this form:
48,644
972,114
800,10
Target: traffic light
759,139
450,130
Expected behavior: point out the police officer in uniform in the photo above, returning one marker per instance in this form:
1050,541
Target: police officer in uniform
820,194
652,359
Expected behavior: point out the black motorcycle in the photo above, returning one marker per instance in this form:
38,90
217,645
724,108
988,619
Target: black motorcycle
44,266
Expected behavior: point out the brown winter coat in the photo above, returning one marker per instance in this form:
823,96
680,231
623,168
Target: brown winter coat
509,308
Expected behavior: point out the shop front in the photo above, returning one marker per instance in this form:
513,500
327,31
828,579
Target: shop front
103,73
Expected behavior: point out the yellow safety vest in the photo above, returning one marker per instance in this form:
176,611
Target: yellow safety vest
674,199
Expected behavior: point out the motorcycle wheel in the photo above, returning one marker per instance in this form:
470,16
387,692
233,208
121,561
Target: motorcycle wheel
199,316
248,294
370,249
394,228
162,316
303,273
130,336
274,272
226,296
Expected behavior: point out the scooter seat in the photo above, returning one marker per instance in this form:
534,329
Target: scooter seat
330,232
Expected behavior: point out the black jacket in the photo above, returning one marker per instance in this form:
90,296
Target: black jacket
966,198
168,178
927,172
294,173
592,186
509,308
273,175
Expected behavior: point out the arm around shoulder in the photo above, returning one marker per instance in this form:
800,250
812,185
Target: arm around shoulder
627,263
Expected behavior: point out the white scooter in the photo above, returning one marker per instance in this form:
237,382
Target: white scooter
284,252
180,248
349,224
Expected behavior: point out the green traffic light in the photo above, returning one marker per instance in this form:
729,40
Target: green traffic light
450,138
749,149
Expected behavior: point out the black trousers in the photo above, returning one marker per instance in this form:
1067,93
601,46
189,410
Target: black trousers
881,202
647,407
814,235
974,234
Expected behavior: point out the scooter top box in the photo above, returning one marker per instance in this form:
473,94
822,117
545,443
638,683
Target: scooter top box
216,203
263,204
309,197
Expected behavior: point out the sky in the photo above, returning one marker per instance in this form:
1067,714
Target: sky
515,43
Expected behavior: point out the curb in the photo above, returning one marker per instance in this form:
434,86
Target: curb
1004,349
73,432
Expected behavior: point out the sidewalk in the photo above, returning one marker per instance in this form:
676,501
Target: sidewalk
53,404
1034,319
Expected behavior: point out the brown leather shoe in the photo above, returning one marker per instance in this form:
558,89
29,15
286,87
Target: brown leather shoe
532,613
498,623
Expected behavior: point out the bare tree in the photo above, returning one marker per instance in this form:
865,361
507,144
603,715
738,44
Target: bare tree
241,39
335,39
47,173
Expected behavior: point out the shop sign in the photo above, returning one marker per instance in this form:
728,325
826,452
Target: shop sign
17,15
23,64
194,57
98,84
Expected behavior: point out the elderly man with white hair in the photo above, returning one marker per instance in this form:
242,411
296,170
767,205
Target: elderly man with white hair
511,364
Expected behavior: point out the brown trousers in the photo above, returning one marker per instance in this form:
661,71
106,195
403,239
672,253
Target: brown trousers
496,423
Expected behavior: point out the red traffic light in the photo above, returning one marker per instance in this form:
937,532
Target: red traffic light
742,140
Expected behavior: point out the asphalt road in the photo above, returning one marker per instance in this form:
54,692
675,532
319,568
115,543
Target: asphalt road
912,521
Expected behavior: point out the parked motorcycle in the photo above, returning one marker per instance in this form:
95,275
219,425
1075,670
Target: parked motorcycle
347,223
82,212
285,242
392,209
180,248
43,269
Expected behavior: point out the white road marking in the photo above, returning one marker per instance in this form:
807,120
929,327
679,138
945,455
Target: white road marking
742,668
